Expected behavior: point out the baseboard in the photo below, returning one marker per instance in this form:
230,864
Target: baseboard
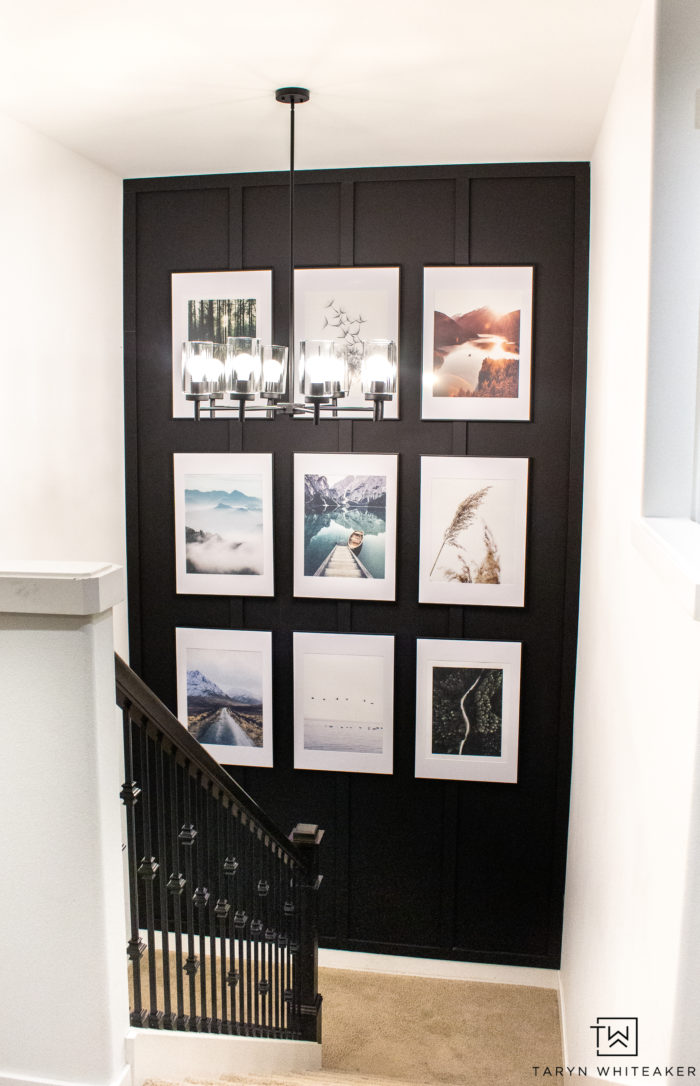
438,968
164,1054
122,1079
441,969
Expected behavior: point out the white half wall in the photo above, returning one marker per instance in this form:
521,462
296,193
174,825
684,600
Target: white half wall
61,461
637,693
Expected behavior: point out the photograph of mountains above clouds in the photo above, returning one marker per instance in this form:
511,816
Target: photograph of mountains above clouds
224,524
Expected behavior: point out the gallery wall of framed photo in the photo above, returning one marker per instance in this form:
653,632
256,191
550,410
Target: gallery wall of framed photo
373,625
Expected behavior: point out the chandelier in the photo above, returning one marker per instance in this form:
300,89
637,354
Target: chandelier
228,377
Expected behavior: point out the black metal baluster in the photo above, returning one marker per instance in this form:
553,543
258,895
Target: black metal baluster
234,976
257,926
176,885
240,922
129,795
147,870
201,896
214,897
269,936
249,861
279,857
294,950
168,1019
223,905
188,836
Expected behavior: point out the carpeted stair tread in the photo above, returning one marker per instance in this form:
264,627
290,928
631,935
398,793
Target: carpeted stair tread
381,1030
294,1078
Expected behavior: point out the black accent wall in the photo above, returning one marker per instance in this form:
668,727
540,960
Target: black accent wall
446,869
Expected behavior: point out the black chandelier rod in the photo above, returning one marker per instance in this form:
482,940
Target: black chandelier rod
291,96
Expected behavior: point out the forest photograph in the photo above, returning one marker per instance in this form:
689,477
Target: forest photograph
467,709
216,319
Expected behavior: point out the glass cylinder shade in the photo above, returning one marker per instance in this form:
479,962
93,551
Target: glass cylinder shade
243,365
324,368
274,370
199,376
379,367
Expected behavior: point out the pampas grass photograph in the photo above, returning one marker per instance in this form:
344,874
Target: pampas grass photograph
472,532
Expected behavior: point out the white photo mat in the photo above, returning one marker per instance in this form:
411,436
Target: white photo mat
456,712
472,317
348,304
344,702
473,530
224,692
338,496
193,287
223,502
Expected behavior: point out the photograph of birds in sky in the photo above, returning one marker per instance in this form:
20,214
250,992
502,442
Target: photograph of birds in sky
352,306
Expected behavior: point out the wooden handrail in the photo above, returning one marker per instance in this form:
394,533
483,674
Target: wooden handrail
133,693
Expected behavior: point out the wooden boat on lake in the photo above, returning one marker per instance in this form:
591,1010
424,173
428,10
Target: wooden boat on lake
355,540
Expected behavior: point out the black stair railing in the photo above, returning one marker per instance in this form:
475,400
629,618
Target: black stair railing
223,909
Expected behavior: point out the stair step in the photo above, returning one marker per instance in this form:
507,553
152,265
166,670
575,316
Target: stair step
304,1078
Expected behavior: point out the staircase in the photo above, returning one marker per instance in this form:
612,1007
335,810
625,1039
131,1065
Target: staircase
223,945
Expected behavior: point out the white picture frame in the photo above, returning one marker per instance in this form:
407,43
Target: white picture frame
467,710
188,291
224,692
344,702
345,525
473,530
347,304
223,524
477,342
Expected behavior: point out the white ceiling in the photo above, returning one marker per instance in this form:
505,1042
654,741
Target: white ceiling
156,87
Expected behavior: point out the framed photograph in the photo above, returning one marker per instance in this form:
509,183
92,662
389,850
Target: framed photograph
213,306
473,525
224,692
348,304
477,342
344,702
223,523
345,526
468,710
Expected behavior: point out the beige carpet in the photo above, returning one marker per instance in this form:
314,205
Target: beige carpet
419,1030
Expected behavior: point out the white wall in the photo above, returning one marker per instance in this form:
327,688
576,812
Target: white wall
61,466
675,273
637,692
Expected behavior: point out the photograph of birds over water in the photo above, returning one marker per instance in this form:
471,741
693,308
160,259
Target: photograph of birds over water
477,342
343,702
473,518
467,709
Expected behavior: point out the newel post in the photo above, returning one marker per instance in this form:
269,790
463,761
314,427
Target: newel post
307,838
64,1007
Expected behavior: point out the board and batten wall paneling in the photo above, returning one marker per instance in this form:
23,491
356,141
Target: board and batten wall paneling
463,870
